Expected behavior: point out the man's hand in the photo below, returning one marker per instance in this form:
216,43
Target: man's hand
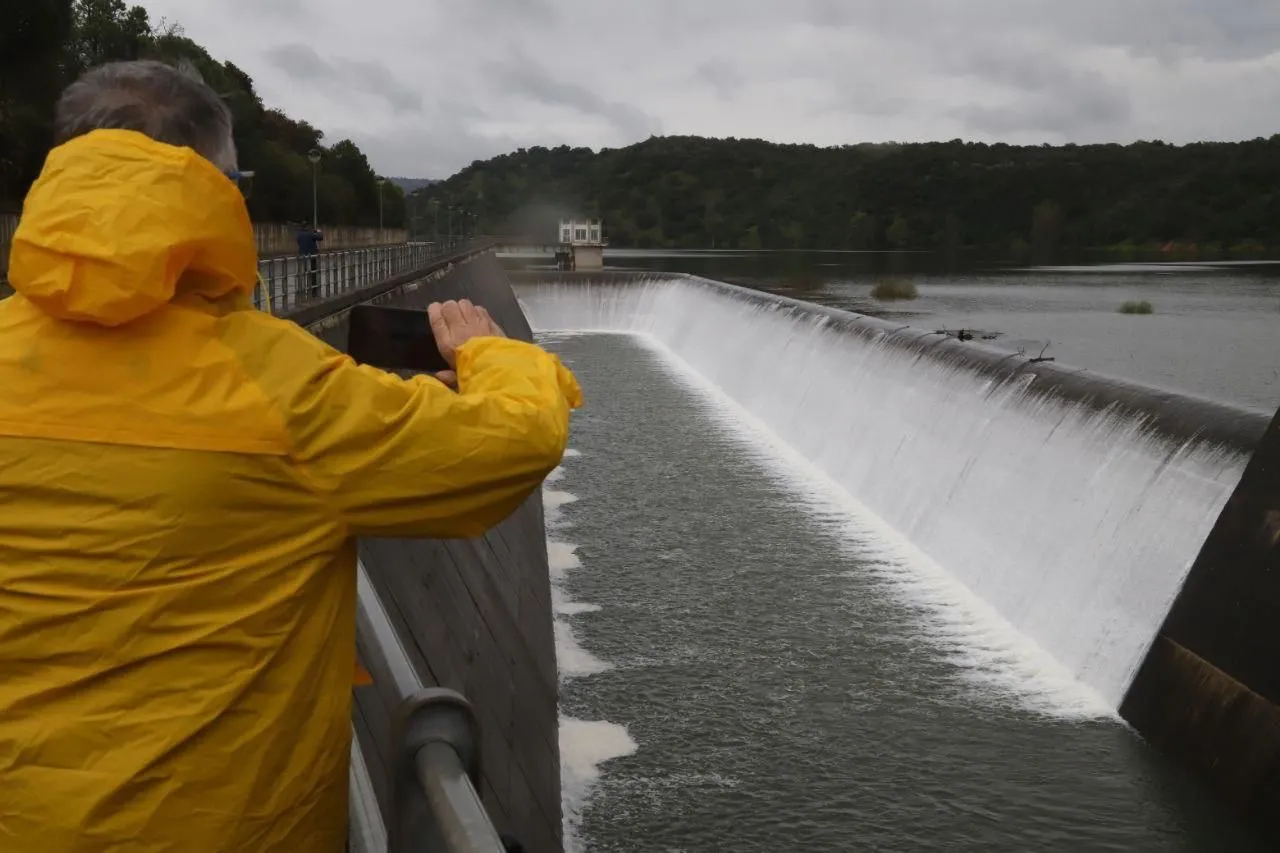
455,323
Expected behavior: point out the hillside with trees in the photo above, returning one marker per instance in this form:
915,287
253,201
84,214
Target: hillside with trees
46,44
691,192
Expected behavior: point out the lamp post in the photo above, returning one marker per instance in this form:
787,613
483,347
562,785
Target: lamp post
381,181
435,229
314,157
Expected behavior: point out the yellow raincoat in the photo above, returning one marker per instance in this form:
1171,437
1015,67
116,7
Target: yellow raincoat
181,482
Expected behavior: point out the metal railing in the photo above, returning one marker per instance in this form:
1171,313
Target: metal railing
286,283
434,765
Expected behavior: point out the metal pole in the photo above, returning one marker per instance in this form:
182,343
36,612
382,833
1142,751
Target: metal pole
380,226
314,156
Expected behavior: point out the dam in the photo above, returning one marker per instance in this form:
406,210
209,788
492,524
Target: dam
1039,522
809,580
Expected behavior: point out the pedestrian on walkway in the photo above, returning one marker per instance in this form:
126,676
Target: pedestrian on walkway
309,239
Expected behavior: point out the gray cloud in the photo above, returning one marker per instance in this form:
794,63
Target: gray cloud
292,10
368,77
542,12
721,76
1205,29
520,74
442,153
427,86
1043,93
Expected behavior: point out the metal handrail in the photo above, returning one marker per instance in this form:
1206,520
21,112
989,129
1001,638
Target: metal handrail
435,806
289,282
463,823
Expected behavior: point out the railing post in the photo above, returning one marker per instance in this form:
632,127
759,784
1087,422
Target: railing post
435,806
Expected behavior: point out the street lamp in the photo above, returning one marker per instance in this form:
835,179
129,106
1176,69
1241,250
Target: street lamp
381,181
314,156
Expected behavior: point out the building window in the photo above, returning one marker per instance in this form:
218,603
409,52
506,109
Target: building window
580,234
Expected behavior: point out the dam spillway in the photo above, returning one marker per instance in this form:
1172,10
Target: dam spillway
1075,520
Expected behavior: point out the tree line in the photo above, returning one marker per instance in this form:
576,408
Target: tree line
46,44
693,192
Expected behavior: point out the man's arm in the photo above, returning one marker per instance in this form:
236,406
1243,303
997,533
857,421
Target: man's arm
413,458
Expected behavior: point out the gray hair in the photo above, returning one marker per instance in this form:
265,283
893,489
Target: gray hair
171,105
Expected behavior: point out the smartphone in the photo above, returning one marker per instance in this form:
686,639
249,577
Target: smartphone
393,339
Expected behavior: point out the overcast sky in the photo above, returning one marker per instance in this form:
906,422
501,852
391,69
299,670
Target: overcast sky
427,86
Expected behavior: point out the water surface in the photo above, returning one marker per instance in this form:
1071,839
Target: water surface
782,691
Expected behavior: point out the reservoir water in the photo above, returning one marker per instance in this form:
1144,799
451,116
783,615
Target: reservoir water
754,660
1212,333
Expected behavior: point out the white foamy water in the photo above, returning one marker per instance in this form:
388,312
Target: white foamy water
584,749
584,745
1043,542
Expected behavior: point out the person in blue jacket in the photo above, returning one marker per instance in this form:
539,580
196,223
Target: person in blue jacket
309,239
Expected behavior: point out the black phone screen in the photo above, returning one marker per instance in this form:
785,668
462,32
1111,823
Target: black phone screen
393,339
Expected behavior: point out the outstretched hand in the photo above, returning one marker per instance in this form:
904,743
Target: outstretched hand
455,323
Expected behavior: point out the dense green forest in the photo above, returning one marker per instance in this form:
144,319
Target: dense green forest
45,44
690,192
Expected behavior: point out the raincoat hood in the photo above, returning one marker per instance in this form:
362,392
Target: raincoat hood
118,224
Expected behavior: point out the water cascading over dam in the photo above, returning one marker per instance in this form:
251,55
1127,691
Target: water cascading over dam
1074,517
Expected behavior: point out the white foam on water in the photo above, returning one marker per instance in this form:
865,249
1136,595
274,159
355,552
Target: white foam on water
585,746
572,660
562,557
1039,542
553,503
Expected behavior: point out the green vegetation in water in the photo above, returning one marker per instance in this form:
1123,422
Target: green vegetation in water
55,41
893,289
1143,307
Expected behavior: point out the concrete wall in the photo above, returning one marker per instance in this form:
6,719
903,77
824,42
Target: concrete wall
274,238
1208,693
475,615
279,238
588,258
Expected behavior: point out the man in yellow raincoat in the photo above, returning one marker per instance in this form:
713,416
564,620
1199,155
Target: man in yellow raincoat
182,480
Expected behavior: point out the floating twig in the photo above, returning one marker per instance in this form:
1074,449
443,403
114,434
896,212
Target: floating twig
1040,358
